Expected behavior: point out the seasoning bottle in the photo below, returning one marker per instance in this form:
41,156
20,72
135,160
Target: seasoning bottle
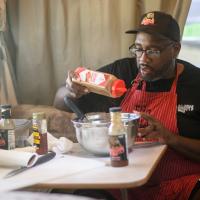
101,83
7,128
39,126
117,139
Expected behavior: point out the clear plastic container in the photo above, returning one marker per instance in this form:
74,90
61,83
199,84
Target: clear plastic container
22,132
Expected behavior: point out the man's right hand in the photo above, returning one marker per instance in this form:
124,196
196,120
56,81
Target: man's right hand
71,89
74,90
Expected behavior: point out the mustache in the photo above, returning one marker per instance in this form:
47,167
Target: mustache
144,65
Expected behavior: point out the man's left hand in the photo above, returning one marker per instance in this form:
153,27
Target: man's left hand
155,129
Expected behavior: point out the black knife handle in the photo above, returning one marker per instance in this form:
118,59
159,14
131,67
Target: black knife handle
45,158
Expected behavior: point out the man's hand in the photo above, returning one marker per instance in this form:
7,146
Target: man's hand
74,90
71,90
155,130
186,146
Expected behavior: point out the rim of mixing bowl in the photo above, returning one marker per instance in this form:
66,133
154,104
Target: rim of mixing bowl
104,118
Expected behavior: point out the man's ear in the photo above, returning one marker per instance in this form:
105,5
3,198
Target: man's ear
177,48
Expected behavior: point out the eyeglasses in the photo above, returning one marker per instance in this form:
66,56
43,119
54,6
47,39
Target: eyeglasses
149,52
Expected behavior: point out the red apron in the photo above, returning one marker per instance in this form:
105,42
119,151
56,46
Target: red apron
175,175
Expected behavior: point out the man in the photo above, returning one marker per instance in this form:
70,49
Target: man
164,90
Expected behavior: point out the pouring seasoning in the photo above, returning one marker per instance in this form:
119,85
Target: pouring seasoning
100,83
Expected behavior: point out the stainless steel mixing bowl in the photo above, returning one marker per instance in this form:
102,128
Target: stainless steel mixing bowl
93,134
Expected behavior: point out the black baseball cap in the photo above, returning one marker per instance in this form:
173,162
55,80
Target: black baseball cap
158,23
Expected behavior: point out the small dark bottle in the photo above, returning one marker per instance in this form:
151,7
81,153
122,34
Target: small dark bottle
117,139
7,128
39,125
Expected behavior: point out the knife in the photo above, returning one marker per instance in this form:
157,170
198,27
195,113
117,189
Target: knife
41,159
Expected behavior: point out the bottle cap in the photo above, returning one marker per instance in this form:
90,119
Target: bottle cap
115,109
118,88
5,111
5,106
39,115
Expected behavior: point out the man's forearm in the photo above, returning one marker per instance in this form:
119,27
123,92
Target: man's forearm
186,146
59,100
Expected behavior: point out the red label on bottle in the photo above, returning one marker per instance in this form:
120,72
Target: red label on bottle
118,150
93,77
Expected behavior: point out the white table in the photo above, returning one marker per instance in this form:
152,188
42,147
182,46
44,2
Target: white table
82,171
38,196
142,162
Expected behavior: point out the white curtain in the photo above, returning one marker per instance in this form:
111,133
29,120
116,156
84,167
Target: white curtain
7,76
177,8
53,36
49,37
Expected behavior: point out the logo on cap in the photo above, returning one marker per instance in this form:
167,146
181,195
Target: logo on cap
148,19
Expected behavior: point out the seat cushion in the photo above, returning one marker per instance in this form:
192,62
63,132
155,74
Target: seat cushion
59,122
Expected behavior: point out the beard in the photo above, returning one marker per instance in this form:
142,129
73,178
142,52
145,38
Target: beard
149,73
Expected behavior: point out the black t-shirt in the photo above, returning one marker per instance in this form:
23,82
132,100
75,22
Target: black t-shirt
188,102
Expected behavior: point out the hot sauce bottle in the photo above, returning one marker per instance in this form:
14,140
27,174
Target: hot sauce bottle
117,139
101,83
39,126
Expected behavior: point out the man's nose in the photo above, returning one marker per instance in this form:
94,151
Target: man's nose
144,57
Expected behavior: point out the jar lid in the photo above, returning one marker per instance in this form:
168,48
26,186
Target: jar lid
5,111
115,109
38,115
5,106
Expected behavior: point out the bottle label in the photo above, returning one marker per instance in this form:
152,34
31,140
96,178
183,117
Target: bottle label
118,150
36,135
7,139
93,77
40,136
